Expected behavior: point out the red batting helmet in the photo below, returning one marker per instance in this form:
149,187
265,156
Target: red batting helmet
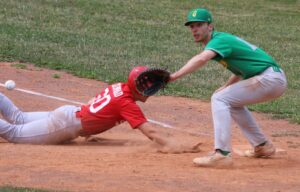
134,73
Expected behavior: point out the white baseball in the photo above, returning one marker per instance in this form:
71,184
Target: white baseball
10,84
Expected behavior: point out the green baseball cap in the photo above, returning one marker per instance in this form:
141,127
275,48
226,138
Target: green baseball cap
198,15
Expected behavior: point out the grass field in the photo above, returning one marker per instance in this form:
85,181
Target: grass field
105,39
20,189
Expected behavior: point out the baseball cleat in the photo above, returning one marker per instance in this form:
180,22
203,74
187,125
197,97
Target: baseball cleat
214,160
266,150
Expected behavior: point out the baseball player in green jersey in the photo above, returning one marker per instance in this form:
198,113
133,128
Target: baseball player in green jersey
256,78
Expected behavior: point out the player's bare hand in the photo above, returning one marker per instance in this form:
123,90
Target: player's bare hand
172,77
180,148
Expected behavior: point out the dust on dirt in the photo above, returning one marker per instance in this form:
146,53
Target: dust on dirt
122,159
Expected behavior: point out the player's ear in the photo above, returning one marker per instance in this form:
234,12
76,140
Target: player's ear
210,27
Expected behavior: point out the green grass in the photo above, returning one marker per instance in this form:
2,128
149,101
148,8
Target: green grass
20,189
104,39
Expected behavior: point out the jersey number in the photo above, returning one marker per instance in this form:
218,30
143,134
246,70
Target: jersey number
100,101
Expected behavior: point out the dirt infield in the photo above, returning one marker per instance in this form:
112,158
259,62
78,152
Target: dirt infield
122,159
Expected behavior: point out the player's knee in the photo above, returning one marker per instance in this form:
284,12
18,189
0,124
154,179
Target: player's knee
218,102
216,97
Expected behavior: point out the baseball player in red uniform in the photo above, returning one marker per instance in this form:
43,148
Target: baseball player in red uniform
114,105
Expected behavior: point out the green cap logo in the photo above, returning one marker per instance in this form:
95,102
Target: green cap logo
198,15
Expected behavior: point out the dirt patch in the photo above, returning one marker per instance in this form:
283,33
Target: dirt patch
122,159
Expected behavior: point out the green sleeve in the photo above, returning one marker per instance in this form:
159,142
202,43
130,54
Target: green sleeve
219,46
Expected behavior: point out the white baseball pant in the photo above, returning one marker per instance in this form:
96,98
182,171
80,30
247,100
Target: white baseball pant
52,127
230,103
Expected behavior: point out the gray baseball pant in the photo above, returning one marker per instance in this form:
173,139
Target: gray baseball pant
230,102
50,127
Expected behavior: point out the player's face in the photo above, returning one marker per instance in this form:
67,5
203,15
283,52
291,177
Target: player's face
143,99
201,31
140,97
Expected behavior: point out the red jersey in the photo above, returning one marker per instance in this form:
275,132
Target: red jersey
111,107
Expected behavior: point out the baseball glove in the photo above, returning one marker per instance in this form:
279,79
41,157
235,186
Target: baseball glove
151,81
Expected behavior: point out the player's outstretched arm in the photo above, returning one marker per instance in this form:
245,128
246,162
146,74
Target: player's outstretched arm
149,130
166,142
193,64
